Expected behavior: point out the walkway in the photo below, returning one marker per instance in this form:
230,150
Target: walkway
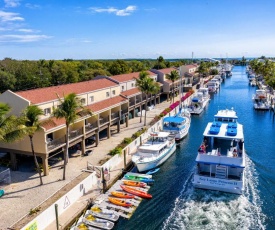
25,193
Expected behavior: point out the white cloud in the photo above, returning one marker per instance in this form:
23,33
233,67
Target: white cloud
12,3
26,30
32,6
9,16
22,38
119,12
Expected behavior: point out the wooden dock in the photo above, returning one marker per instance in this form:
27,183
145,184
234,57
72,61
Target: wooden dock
126,212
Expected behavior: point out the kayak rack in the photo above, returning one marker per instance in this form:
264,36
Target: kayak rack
125,212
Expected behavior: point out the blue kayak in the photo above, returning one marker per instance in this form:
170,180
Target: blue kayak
152,171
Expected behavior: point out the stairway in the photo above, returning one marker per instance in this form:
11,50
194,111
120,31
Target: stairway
221,172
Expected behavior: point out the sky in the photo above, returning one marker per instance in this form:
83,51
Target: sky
120,29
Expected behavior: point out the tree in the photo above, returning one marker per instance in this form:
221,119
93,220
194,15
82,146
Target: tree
70,109
11,128
119,67
173,76
146,85
32,124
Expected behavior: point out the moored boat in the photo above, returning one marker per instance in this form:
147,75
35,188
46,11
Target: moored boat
199,101
261,101
221,157
157,149
103,213
152,171
122,195
134,183
120,202
136,192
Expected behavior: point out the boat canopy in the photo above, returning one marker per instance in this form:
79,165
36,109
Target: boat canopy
174,119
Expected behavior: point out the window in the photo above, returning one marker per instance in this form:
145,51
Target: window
107,94
133,84
92,99
114,92
82,101
122,88
47,111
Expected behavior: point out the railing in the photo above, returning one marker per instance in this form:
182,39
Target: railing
55,143
103,120
89,126
75,133
132,103
124,112
115,115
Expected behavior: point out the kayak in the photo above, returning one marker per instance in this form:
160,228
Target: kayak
97,222
136,192
134,183
140,179
103,213
119,202
122,195
152,171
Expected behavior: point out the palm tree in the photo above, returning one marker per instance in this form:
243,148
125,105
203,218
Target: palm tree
32,124
11,128
70,109
173,76
146,85
155,89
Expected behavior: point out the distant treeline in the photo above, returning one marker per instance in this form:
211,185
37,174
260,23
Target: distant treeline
25,74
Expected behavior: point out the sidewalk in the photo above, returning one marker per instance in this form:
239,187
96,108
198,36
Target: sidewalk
25,193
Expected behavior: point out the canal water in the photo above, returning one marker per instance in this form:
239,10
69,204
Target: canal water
177,205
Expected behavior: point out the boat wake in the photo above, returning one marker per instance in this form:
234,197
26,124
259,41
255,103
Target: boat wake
205,209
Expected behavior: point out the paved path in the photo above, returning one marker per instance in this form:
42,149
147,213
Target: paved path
25,193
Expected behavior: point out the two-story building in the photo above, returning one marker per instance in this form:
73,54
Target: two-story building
101,96
189,73
136,99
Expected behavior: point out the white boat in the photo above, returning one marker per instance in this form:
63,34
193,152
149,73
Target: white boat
199,101
221,159
213,86
177,125
80,225
261,101
219,78
157,149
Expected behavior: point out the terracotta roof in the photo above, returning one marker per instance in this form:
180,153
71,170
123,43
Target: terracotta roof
129,76
109,103
191,66
96,107
130,92
41,95
167,70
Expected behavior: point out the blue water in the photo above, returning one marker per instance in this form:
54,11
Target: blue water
177,205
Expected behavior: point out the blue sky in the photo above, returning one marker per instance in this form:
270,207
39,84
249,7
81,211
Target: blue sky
100,29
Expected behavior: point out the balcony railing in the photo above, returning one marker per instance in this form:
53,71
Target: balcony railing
90,127
103,120
75,133
132,103
114,115
55,143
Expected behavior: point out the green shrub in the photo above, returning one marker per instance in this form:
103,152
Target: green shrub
127,140
116,150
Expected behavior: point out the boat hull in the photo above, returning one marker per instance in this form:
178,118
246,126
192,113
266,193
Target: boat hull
119,202
218,184
145,166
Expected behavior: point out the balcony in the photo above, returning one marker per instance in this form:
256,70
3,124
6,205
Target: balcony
75,133
114,115
103,120
132,103
53,144
90,127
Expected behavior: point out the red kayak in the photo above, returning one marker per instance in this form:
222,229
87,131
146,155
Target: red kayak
136,192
